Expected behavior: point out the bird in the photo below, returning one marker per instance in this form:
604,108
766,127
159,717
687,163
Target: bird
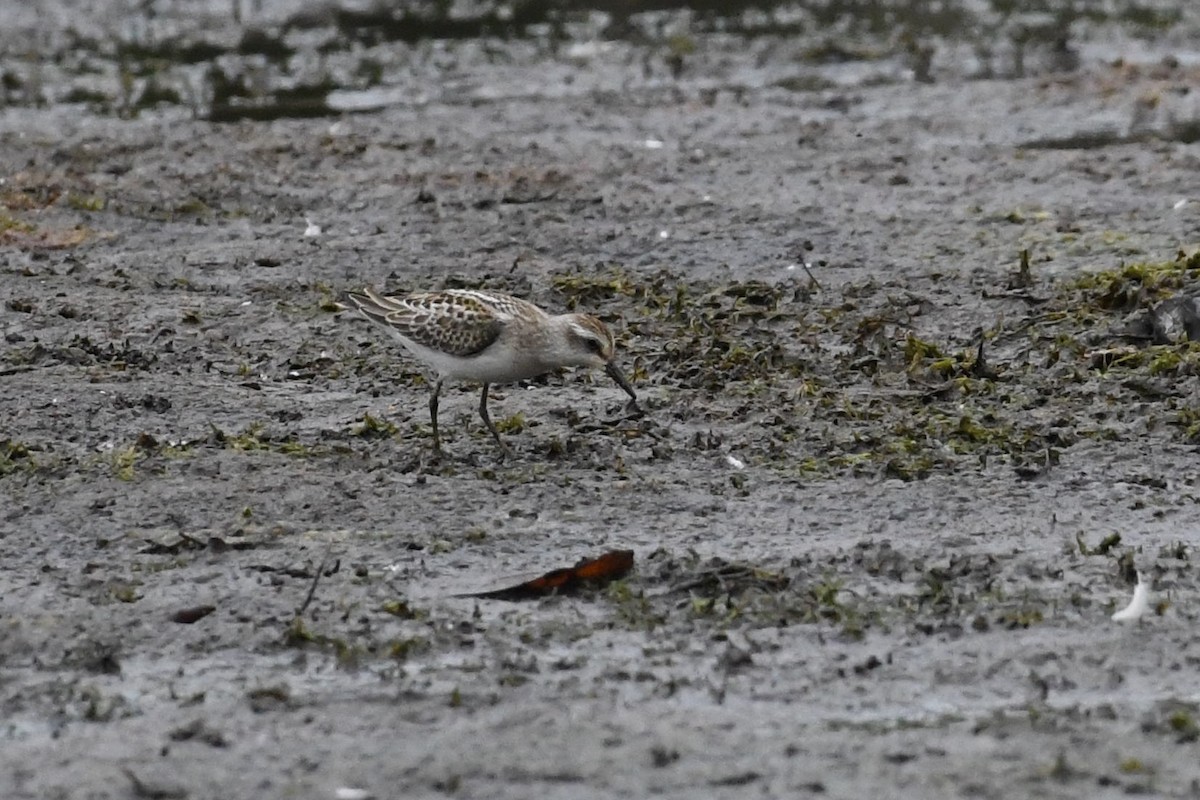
489,337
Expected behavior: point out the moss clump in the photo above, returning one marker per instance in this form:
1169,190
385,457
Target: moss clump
512,424
403,649
255,438
249,439
193,206
1183,723
85,202
1139,284
917,351
372,427
124,461
1022,617
400,609
14,456
1104,548
10,223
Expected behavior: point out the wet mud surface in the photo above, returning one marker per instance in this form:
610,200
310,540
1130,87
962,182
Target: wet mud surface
904,452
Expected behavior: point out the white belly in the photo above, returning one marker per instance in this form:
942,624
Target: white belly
496,364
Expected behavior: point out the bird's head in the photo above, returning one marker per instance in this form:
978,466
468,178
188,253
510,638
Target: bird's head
591,345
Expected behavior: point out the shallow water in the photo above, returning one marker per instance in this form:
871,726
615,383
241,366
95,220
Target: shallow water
244,60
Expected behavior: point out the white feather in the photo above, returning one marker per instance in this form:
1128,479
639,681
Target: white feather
1138,605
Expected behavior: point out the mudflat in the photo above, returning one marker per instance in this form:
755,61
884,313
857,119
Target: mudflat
903,452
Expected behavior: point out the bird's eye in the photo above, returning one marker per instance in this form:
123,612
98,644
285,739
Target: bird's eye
595,346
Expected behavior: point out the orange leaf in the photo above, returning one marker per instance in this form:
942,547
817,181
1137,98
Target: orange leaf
588,572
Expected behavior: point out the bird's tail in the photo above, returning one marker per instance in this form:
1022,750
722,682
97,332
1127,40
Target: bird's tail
374,306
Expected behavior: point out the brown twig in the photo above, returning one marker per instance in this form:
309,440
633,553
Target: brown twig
312,589
812,278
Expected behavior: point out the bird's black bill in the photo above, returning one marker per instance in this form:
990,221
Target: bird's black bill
615,374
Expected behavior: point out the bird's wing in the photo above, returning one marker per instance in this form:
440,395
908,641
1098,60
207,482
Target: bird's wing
456,323
505,306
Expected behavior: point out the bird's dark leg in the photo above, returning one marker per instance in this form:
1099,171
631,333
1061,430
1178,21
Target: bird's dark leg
433,406
487,420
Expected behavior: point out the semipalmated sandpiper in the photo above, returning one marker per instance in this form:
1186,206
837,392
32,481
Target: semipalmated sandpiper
488,338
